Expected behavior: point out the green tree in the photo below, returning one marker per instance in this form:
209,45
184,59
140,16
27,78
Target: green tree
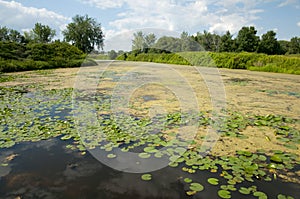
42,33
85,33
112,54
188,43
269,44
138,42
16,36
208,41
170,44
294,45
150,40
284,46
11,35
4,33
227,43
247,40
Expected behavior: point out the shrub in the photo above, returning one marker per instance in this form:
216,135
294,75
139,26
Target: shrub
243,60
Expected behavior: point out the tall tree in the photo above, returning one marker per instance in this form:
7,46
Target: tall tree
269,44
188,43
112,54
138,42
150,40
170,44
42,33
85,33
227,43
16,36
208,41
4,31
294,46
11,35
247,40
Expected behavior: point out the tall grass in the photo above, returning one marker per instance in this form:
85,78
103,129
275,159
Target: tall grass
248,61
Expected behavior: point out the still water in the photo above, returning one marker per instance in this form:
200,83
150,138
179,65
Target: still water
46,169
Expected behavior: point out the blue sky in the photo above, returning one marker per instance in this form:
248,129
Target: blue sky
123,17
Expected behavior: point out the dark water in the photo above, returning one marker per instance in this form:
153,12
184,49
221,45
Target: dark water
46,169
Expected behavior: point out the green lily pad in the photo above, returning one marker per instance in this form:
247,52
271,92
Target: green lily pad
188,180
173,164
191,193
244,190
144,155
111,155
260,195
276,158
146,177
213,181
224,194
196,187
281,196
150,150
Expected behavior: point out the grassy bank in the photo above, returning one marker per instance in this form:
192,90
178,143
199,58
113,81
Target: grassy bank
249,61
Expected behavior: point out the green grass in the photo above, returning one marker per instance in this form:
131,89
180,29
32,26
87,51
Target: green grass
250,61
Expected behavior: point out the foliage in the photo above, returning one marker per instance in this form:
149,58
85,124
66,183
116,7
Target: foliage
20,57
227,44
41,34
247,39
154,55
269,44
294,46
208,41
11,35
112,54
141,41
85,33
249,61
170,44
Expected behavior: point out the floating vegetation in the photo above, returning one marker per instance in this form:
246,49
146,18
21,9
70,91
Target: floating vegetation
146,177
30,117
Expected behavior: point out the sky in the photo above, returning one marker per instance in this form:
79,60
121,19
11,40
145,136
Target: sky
121,18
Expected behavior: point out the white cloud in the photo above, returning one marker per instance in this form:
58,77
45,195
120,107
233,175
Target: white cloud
103,4
179,15
298,24
288,2
15,15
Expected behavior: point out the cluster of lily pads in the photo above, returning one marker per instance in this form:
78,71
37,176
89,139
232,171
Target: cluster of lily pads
34,116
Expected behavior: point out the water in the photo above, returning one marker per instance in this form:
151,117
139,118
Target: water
46,169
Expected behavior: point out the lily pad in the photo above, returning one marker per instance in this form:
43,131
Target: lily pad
111,155
144,155
224,194
281,196
276,158
196,187
146,177
213,181
188,180
260,195
244,190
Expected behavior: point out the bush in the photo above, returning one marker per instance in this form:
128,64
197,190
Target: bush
244,60
37,56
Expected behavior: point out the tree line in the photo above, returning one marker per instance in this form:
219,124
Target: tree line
83,32
245,41
37,49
